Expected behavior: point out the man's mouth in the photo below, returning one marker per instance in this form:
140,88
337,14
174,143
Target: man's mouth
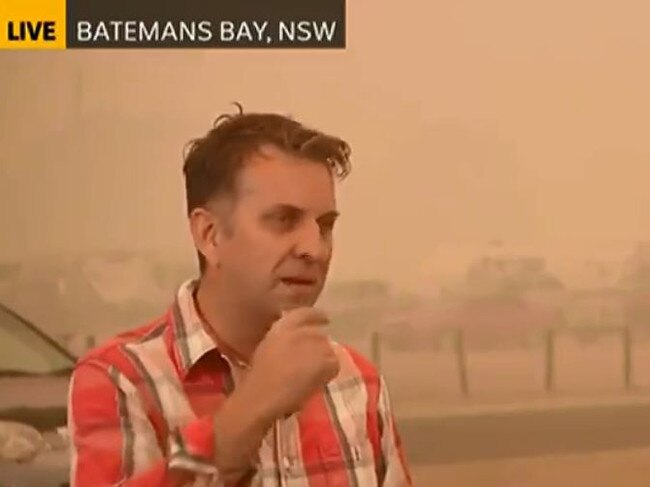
298,281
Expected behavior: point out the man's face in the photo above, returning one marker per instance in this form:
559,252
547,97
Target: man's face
278,253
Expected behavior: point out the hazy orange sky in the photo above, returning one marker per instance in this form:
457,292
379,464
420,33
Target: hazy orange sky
468,120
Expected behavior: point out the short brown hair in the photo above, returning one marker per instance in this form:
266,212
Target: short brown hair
213,162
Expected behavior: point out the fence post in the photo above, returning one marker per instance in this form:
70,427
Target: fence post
627,357
375,349
549,360
461,359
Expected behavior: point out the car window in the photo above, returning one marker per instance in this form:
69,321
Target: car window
23,350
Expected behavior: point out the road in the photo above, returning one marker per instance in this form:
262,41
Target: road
453,438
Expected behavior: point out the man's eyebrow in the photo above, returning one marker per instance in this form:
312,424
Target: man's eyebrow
284,207
296,210
330,215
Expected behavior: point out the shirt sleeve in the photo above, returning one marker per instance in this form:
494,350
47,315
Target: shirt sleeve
396,471
113,442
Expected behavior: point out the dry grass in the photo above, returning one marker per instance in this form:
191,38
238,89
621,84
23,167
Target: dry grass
580,369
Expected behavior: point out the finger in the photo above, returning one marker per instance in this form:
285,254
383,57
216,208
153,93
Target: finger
315,333
305,316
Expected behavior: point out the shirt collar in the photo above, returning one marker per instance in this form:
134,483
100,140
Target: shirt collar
192,340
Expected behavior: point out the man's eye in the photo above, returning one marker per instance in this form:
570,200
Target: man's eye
285,220
326,228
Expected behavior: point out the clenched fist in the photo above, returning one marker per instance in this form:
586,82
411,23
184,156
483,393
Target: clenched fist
292,362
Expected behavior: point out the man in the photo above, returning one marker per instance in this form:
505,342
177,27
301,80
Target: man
239,383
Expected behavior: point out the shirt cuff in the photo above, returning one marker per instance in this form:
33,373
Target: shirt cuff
192,447
192,450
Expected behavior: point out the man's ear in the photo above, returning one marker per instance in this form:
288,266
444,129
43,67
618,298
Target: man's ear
206,233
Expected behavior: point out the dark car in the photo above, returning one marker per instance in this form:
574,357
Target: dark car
34,379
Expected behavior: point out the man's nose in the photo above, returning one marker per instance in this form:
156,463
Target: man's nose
310,243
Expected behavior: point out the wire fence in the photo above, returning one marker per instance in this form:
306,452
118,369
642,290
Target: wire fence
378,346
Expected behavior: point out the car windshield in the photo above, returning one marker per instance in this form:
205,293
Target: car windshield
23,351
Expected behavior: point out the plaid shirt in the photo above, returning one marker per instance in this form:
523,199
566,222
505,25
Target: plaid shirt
141,408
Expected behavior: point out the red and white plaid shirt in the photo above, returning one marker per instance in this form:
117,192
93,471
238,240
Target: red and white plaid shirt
141,408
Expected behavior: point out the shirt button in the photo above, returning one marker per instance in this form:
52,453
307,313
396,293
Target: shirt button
356,454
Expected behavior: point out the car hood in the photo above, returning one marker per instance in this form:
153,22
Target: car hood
38,392
37,401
